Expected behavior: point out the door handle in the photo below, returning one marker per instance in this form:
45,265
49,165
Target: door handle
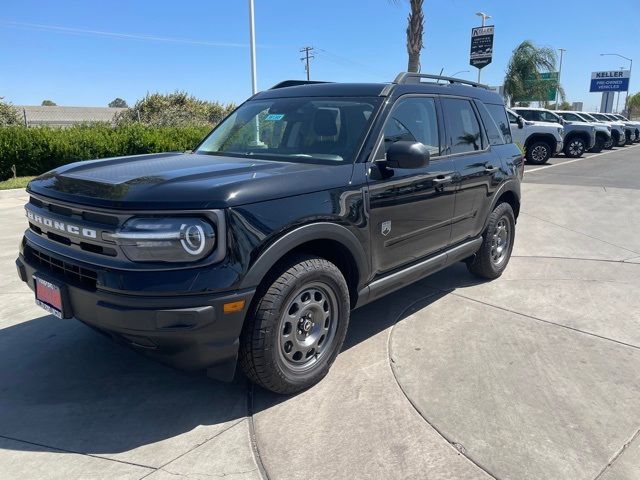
442,180
490,169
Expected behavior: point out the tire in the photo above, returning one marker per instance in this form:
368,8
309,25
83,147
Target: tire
538,153
616,140
627,139
599,146
283,346
489,261
575,147
608,145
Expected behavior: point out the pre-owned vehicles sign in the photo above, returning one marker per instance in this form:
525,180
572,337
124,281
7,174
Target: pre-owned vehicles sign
611,81
481,46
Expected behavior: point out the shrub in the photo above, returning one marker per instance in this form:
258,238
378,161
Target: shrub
36,150
178,108
9,115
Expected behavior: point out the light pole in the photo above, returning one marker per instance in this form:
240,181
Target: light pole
562,50
484,19
630,60
252,45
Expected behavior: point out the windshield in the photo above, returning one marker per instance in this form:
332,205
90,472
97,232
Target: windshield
611,117
590,118
599,116
307,130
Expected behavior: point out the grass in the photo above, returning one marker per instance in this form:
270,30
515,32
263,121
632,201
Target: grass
19,182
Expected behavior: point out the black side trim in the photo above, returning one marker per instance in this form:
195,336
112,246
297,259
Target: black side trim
415,272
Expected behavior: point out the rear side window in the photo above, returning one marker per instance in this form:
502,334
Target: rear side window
463,129
496,123
413,119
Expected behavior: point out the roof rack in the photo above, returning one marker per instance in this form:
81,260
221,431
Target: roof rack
295,83
410,77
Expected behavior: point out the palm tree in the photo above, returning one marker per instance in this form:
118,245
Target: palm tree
522,80
415,29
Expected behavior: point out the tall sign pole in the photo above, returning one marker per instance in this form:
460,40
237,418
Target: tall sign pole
562,50
630,60
481,52
252,43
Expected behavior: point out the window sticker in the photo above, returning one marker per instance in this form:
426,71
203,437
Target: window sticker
273,117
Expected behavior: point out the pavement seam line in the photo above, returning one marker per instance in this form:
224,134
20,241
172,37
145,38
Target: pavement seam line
578,232
559,257
618,454
253,438
161,467
579,159
549,322
415,408
84,454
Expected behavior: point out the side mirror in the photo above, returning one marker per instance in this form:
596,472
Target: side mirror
520,122
407,154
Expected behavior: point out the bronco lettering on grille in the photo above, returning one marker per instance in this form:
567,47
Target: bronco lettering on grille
61,226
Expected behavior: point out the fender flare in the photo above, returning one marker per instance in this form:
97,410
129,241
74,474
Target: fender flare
509,186
304,234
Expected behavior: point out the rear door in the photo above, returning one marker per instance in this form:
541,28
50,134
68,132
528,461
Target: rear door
475,163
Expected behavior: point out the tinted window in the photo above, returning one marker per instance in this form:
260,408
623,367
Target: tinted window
499,115
463,132
512,118
572,117
548,117
305,130
414,119
530,115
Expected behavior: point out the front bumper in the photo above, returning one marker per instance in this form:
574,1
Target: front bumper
190,331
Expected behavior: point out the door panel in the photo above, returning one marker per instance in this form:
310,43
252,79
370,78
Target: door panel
410,209
475,165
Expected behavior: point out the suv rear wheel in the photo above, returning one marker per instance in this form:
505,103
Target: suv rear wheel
538,152
575,147
497,243
297,327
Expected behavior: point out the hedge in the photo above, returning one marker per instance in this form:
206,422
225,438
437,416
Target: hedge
36,150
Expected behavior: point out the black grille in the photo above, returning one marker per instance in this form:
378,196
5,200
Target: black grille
83,276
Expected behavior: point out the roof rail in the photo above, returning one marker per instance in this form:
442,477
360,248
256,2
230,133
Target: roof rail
294,83
410,77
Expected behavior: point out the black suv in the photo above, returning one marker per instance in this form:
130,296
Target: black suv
309,200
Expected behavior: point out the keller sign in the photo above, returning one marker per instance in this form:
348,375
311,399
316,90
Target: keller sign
611,81
481,46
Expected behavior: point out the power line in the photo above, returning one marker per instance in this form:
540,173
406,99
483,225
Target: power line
306,58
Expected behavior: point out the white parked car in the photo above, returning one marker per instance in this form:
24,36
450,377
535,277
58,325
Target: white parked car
603,132
618,128
538,140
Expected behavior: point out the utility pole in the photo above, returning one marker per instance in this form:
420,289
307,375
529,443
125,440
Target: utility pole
252,43
306,58
562,50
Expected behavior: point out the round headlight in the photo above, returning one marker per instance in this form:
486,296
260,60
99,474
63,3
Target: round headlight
193,239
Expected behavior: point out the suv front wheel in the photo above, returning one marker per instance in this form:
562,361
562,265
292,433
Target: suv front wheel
575,147
297,326
497,243
538,153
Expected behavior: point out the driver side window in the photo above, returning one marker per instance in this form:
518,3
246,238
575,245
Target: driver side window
413,119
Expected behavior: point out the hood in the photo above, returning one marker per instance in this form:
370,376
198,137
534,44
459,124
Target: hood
184,180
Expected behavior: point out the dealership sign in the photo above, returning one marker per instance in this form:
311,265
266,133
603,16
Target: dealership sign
481,46
611,81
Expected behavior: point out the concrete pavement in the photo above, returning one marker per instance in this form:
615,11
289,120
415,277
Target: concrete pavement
532,376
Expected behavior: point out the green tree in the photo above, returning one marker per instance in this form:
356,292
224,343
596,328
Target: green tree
633,105
9,115
175,109
118,103
415,30
522,79
48,103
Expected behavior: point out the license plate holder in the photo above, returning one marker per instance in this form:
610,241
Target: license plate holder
50,295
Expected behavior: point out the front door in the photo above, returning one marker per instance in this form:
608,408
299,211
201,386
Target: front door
410,209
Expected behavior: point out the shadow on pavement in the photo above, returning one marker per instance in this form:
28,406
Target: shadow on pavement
62,385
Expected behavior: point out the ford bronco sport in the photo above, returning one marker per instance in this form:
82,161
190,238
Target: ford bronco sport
309,200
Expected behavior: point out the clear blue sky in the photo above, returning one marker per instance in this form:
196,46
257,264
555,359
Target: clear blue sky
47,49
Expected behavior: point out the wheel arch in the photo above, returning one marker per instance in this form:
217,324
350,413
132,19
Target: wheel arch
330,241
542,137
509,193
